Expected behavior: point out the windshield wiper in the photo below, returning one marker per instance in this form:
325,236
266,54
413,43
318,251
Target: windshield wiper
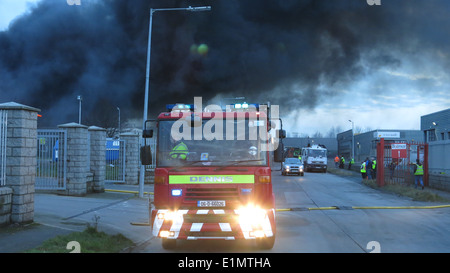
236,162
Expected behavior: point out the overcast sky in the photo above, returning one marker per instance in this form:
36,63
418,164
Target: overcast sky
10,9
387,98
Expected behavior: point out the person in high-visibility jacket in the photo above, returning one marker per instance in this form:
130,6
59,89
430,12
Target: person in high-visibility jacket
342,162
363,170
374,169
418,173
180,151
352,161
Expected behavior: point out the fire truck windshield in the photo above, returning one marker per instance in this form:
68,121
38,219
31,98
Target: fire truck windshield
243,143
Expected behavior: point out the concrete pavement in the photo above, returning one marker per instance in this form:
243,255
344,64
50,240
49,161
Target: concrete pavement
112,212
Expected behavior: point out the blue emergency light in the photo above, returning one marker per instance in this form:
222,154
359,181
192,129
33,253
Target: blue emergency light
246,105
180,107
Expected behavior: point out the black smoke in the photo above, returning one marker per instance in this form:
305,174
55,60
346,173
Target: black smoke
294,53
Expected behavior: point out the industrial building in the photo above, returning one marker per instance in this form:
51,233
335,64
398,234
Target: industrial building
436,132
436,126
365,144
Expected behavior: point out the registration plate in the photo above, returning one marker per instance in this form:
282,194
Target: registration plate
211,203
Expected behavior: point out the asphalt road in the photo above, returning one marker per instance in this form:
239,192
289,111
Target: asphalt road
345,230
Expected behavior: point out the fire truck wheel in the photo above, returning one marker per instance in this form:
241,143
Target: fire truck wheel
169,243
265,243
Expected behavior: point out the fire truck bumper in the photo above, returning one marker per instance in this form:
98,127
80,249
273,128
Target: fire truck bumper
245,223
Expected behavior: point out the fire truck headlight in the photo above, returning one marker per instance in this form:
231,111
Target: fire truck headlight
177,192
170,216
166,233
251,216
257,233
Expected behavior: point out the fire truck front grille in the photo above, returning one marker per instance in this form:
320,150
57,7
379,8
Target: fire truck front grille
197,194
210,218
211,233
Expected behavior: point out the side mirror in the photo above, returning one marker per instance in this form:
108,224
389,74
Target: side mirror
146,155
278,153
281,133
271,125
147,133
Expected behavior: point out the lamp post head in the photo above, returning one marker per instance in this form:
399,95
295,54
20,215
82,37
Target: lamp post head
205,8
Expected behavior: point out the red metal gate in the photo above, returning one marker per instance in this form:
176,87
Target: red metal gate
395,162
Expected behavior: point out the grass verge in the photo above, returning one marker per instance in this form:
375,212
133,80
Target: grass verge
401,190
90,241
408,191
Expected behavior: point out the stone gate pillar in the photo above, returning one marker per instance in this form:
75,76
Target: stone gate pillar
98,157
77,158
21,150
132,158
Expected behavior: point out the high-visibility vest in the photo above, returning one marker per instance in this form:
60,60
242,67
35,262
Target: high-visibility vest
179,151
352,161
374,164
419,170
343,160
363,167
336,159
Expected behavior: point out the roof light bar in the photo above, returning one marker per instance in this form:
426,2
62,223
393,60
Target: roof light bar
180,107
246,106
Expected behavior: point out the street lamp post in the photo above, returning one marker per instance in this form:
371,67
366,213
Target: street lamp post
79,98
119,120
147,78
353,140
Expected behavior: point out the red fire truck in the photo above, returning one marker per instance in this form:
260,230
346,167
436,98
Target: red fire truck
213,182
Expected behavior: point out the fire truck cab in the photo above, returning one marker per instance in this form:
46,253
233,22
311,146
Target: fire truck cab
212,176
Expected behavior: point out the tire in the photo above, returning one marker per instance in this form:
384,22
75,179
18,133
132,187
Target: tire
169,243
265,243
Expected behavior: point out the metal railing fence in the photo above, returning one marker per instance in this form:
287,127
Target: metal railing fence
51,160
3,135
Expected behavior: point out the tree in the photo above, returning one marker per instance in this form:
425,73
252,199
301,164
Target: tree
104,115
317,134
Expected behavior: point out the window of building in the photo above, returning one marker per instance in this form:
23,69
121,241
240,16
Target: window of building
431,135
442,136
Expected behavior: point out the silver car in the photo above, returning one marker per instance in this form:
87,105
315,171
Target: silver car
292,166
